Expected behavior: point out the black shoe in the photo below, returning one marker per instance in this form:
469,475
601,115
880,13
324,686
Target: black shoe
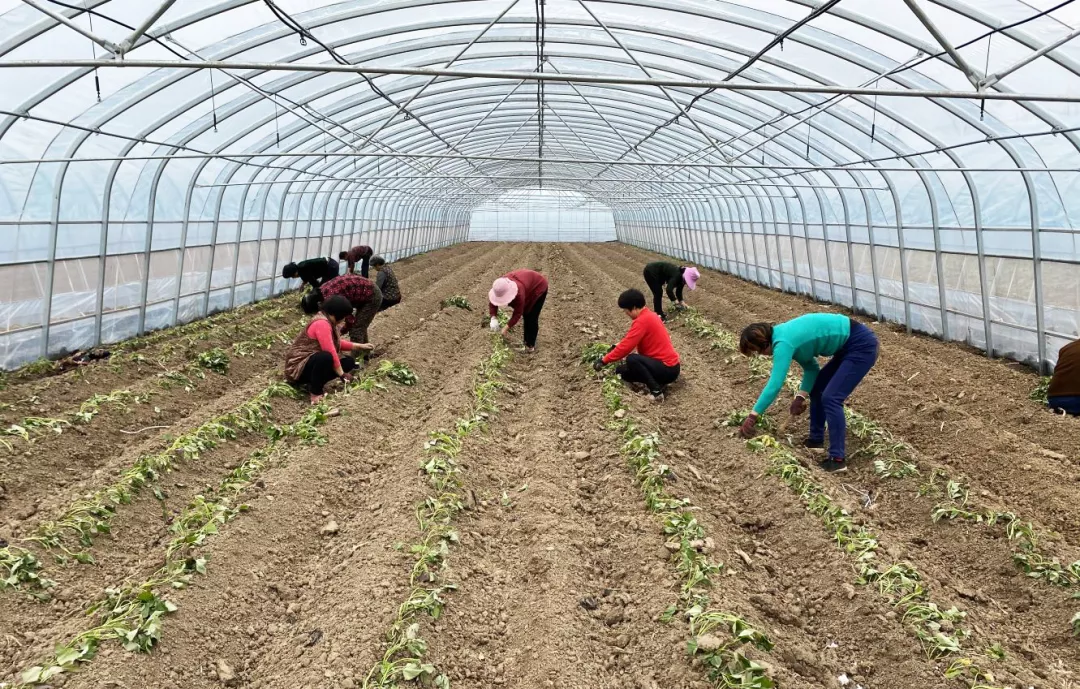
663,317
833,465
656,396
814,444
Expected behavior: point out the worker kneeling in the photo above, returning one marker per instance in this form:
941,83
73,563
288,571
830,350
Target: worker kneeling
315,357
656,363
854,350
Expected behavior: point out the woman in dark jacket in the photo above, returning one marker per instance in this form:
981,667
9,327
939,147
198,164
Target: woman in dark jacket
387,282
313,271
661,274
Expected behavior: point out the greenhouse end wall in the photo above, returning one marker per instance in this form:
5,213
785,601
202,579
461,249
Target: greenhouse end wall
981,297
104,287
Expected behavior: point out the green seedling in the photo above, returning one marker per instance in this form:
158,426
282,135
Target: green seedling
215,360
1039,393
594,352
457,301
20,570
728,666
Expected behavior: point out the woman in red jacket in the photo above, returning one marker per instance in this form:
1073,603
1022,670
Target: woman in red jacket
656,363
315,357
524,291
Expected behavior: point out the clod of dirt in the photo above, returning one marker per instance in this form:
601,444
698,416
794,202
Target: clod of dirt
709,643
745,557
619,413
330,529
582,454
225,674
563,435
614,617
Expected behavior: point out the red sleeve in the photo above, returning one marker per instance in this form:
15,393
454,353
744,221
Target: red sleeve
628,343
320,329
492,310
519,310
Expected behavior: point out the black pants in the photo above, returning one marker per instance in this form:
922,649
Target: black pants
532,321
652,372
657,288
387,304
319,370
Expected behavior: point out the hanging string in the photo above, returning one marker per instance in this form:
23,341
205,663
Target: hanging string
808,128
213,99
277,132
873,118
97,81
986,70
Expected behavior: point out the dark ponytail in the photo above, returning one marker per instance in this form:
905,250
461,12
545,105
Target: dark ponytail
756,335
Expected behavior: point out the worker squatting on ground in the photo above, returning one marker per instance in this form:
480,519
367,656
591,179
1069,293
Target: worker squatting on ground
313,272
386,282
314,358
1063,395
524,291
660,275
656,363
853,348
363,294
358,254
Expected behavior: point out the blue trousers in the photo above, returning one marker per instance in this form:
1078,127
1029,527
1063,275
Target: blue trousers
835,384
1070,404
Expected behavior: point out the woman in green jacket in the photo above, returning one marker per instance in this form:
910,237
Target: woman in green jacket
854,350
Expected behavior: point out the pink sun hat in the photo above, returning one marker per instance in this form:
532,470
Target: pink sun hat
691,276
502,292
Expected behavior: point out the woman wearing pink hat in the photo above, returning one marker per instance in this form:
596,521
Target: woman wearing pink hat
659,274
524,291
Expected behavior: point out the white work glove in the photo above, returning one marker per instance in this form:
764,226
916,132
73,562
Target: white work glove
494,324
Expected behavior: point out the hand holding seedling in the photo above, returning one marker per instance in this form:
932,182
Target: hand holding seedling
495,325
798,405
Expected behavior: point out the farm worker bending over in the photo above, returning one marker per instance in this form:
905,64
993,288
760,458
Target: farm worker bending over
313,271
524,291
656,363
659,274
387,283
1064,391
853,348
313,358
358,254
363,294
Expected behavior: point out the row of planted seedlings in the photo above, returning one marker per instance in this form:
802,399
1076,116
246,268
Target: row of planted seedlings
404,655
216,360
894,459
70,536
939,629
133,613
719,639
126,349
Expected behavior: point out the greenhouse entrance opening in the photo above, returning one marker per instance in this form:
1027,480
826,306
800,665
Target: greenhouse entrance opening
542,215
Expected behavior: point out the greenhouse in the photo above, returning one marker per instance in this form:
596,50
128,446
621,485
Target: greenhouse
539,344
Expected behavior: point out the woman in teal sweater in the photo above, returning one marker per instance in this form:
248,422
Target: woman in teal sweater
853,348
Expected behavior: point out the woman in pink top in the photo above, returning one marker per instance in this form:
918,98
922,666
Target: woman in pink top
314,357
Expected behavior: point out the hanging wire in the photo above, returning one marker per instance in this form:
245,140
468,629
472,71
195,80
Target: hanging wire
277,131
213,99
873,118
986,70
93,55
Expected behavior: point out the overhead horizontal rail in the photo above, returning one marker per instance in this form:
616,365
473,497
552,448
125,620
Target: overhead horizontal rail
372,70
854,167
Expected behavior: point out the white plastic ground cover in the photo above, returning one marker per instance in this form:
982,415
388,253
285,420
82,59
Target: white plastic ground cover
129,197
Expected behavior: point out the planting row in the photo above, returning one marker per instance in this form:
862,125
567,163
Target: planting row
133,613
